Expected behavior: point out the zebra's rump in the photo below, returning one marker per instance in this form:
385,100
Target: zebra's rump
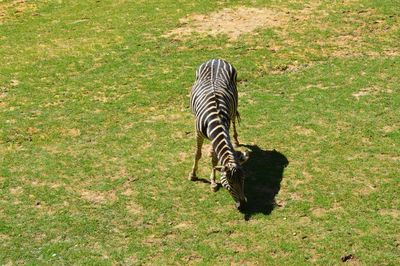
216,70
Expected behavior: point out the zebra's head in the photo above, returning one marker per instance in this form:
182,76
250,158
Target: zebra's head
232,178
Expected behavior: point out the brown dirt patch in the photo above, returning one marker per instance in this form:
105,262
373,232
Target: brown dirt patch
183,225
14,8
296,196
366,190
16,191
99,196
183,156
319,212
131,260
72,132
194,258
303,131
388,157
390,128
134,208
370,91
289,68
234,22
390,212
304,220
152,240
308,177
230,22
128,192
4,237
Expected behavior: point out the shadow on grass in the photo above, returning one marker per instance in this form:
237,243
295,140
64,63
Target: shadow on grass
264,173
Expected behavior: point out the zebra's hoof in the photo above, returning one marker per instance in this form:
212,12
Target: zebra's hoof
192,177
214,187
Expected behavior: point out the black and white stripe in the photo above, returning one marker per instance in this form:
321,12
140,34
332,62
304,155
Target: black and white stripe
214,102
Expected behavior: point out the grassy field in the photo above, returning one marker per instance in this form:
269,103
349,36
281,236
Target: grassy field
96,135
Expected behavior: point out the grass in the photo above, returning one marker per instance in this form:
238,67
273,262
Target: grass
96,136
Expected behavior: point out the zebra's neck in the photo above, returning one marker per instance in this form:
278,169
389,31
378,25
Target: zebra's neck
219,136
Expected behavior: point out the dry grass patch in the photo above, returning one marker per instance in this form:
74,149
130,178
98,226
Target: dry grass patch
234,22
289,68
230,22
351,40
365,190
72,132
101,197
374,90
134,208
193,259
303,131
390,128
183,225
16,191
152,240
390,212
319,212
183,156
11,9
131,260
388,157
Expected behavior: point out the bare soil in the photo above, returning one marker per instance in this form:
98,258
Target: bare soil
230,22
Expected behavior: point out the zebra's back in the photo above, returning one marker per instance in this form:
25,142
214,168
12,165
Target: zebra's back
214,94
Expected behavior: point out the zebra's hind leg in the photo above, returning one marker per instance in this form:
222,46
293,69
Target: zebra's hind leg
235,134
214,162
197,156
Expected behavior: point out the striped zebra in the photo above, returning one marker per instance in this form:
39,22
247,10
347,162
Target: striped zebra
214,101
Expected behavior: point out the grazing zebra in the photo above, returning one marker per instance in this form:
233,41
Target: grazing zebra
214,101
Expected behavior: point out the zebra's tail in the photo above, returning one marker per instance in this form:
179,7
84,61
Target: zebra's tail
237,116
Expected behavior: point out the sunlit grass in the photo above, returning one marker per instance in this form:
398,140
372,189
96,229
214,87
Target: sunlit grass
97,140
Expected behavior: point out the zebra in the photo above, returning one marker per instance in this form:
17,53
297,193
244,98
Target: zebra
214,102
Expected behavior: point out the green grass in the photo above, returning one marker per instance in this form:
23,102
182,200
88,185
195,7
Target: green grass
96,135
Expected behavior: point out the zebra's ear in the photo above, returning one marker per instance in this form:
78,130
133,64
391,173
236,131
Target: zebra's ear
220,168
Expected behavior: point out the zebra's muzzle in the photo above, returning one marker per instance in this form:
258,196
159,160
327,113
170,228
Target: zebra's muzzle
241,205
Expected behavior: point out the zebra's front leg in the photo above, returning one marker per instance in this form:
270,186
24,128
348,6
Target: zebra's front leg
235,134
197,156
214,162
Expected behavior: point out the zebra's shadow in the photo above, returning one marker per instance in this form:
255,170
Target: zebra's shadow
264,173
